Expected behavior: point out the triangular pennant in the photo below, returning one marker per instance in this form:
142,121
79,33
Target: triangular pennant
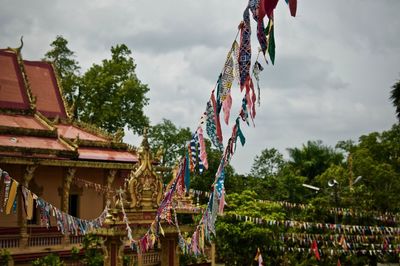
271,40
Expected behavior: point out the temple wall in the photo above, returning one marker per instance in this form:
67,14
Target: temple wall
91,202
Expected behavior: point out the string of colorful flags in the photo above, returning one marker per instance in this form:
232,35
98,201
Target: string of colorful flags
9,189
346,212
387,217
92,185
237,66
340,228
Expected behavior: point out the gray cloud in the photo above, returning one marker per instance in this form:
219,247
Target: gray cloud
335,62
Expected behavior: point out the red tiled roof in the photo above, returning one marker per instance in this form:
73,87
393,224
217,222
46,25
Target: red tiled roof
44,86
71,132
12,89
21,121
106,155
32,142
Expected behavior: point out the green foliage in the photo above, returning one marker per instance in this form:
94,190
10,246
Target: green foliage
395,97
5,257
112,96
268,164
49,260
66,67
170,141
108,95
313,159
375,157
75,253
91,246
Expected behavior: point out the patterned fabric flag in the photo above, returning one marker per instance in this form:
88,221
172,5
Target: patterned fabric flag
235,56
193,153
211,127
219,186
254,6
202,152
245,48
226,84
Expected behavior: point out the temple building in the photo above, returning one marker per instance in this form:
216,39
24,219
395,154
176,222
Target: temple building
76,169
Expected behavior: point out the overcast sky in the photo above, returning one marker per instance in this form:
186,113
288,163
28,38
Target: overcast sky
335,62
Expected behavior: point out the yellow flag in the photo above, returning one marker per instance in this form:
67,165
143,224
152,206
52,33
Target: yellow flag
11,196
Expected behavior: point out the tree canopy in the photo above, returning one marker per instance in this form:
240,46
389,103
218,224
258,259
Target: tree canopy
108,95
395,97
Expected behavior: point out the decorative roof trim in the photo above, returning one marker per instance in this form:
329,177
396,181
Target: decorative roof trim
66,163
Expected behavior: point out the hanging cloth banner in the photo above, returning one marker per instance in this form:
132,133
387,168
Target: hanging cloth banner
28,199
269,31
245,48
254,6
219,186
292,6
257,68
211,126
11,196
5,193
251,98
187,172
235,56
244,114
226,84
239,133
193,152
268,7
202,146
217,109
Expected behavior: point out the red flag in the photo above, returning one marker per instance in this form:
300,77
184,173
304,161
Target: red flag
338,263
314,248
259,258
293,7
269,6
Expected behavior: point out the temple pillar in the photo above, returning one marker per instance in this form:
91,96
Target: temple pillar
113,251
110,179
22,221
169,250
66,185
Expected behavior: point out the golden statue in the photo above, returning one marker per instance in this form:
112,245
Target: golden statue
145,187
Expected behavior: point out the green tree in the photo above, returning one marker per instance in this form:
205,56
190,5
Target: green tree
93,255
112,96
313,159
267,164
49,260
395,97
66,67
108,95
171,141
